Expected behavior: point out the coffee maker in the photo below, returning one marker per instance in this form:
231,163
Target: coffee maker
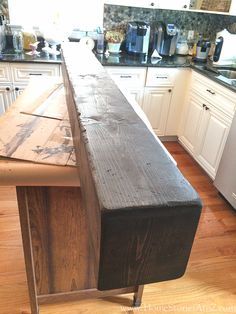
137,38
164,38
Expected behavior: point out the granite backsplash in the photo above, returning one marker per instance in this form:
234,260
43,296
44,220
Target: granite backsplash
203,23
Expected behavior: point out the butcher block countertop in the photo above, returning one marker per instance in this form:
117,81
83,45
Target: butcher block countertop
36,147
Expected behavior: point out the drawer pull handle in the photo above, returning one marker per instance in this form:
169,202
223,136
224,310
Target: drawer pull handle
35,73
125,76
211,92
162,77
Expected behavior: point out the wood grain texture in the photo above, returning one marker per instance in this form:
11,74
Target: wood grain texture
43,135
59,238
209,282
135,192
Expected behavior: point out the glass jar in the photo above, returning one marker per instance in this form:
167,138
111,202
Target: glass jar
29,37
17,40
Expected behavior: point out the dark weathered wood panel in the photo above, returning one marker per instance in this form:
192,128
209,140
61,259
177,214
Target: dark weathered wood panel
136,189
145,246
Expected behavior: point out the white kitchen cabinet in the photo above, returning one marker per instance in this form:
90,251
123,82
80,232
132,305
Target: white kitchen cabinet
233,8
15,76
6,98
156,104
135,3
206,121
214,131
131,80
191,124
174,5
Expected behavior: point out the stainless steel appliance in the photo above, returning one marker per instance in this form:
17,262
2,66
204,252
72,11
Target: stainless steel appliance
137,38
225,51
225,180
202,51
164,38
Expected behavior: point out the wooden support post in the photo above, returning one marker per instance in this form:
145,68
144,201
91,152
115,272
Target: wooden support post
138,296
27,246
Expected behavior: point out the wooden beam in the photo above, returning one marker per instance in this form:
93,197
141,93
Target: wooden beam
143,212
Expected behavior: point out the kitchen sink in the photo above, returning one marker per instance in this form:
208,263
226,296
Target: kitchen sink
230,74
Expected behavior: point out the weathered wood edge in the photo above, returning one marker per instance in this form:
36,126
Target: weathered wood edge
187,194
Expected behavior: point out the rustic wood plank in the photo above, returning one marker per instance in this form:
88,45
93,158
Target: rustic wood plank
54,106
60,246
142,207
37,138
28,248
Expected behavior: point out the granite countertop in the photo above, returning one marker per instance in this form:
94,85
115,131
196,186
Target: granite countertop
23,57
123,59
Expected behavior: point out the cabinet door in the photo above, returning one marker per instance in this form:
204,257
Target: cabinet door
211,143
134,3
6,98
191,123
17,91
174,5
156,103
137,94
233,7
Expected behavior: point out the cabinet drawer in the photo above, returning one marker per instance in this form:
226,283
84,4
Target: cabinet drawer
22,72
218,95
161,76
128,76
5,74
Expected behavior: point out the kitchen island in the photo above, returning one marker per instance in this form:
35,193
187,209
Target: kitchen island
132,217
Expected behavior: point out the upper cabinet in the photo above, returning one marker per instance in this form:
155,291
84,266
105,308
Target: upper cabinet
233,7
174,5
135,3
220,6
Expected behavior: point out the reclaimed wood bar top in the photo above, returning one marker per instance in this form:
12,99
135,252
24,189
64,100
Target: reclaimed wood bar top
35,138
142,212
129,167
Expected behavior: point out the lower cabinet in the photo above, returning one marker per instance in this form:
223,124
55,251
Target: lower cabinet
156,104
204,133
6,98
137,94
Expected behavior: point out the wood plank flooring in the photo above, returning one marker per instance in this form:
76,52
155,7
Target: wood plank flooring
209,285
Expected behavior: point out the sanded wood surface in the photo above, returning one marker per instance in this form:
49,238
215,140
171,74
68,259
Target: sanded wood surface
36,127
143,211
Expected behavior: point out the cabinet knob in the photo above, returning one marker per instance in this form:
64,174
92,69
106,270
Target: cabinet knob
169,90
8,89
203,105
152,4
185,6
207,108
17,89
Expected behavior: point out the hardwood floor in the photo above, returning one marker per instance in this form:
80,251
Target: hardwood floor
209,285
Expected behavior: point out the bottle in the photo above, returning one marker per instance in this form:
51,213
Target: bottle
100,40
17,39
9,37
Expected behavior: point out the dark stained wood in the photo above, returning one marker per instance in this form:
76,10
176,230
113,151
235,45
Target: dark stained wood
82,295
28,248
147,211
